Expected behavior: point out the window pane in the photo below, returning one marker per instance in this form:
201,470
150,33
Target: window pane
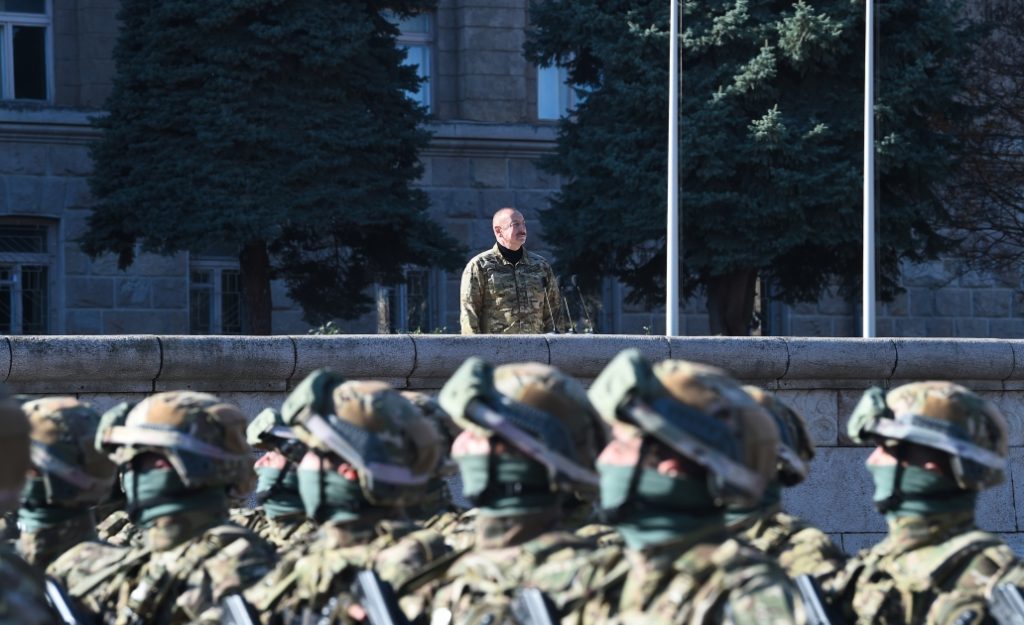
33,300
549,89
6,305
23,6
420,57
200,277
31,239
200,310
231,301
29,63
417,24
418,300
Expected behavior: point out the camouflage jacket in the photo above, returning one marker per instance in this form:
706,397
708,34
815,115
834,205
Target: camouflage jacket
316,579
42,547
497,297
798,547
283,533
22,596
118,530
926,572
180,584
703,579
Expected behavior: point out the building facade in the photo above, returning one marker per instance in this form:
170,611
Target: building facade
493,116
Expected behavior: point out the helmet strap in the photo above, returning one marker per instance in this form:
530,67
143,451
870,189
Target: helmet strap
893,501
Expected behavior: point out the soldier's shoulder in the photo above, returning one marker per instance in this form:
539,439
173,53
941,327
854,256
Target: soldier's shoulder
232,540
486,258
22,596
972,555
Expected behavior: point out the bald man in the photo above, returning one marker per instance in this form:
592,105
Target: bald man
508,290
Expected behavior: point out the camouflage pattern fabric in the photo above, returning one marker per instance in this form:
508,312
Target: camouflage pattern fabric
707,578
180,584
45,545
283,533
926,572
497,297
316,579
22,596
118,530
798,547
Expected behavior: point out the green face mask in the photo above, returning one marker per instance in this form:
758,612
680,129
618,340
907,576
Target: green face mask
339,499
924,492
281,494
505,498
36,514
160,492
668,507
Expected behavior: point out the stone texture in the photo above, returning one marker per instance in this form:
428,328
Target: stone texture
855,542
524,174
819,410
226,363
438,356
84,322
450,172
832,508
952,302
134,293
1006,328
898,306
585,356
992,302
747,358
977,328
909,327
936,328
923,359
90,293
169,292
922,302
70,160
842,358
355,356
993,513
71,364
1016,475
25,194
145,321
23,158
489,172
926,274
811,326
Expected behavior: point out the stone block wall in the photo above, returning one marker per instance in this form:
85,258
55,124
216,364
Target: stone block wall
822,378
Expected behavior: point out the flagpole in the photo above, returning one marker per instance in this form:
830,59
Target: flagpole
868,295
672,221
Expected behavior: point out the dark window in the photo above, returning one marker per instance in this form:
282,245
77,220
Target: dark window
29,63
26,239
231,301
33,300
200,303
23,6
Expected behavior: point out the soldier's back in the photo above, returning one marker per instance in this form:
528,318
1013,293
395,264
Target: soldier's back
22,594
798,547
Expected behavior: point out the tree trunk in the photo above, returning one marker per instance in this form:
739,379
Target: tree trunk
731,302
255,265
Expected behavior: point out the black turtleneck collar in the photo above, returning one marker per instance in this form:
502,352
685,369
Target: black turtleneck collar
509,255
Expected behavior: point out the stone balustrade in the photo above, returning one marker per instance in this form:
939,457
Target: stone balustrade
823,378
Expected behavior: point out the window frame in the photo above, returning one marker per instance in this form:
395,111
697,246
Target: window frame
217,267
405,40
17,261
8,21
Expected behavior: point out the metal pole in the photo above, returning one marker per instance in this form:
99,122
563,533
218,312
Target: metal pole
672,221
868,296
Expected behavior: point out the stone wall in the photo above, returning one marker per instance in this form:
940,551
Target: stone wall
823,378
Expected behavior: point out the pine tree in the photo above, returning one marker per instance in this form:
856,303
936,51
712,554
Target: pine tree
771,132
262,126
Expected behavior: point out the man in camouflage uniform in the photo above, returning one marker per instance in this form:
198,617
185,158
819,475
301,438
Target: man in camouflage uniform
371,452
280,517
525,462
183,456
507,289
68,477
22,596
799,547
686,442
938,446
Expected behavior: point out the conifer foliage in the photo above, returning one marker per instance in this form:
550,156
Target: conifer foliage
771,132
277,130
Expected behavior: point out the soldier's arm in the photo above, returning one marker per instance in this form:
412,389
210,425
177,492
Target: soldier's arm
554,295
471,300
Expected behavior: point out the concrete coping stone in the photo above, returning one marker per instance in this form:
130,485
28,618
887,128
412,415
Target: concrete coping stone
746,358
840,358
586,355
69,364
974,359
233,363
356,356
437,356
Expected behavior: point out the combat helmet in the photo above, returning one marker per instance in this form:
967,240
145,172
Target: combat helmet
268,432
393,449
536,410
73,473
698,412
796,449
14,453
201,436
939,415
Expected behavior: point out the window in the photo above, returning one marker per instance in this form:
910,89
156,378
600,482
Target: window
555,97
25,260
413,306
25,49
416,38
215,297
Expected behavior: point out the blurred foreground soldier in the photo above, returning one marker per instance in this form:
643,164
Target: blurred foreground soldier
279,517
113,525
371,452
22,597
183,455
68,477
939,445
686,442
525,454
799,547
436,510
508,290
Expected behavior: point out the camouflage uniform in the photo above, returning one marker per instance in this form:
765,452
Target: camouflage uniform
22,597
681,564
497,297
68,477
525,512
935,567
184,455
371,452
799,547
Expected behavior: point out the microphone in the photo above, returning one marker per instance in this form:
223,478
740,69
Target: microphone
575,284
547,302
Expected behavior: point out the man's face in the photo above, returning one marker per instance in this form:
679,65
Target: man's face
510,229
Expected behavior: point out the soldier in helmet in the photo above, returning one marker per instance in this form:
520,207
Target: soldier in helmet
22,597
938,446
525,454
371,453
686,442
67,478
436,509
799,547
183,456
280,516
